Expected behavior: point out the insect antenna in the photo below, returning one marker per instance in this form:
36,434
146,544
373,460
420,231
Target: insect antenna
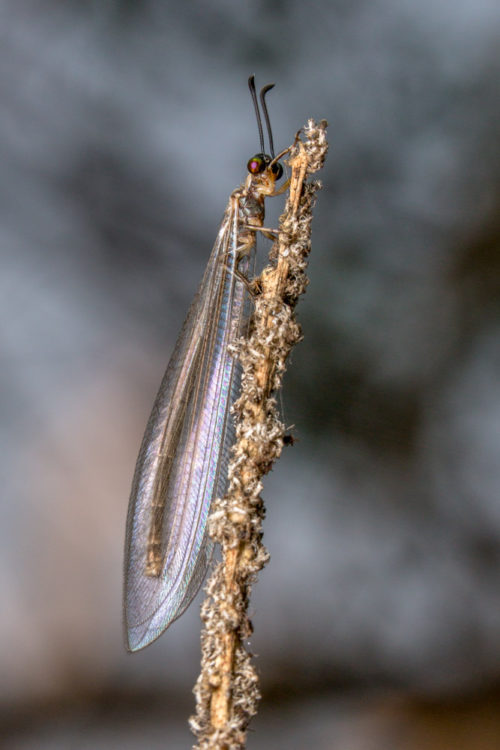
263,93
251,86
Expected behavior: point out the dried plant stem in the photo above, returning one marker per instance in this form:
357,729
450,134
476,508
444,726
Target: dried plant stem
227,690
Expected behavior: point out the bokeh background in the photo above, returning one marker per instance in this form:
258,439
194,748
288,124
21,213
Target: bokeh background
124,125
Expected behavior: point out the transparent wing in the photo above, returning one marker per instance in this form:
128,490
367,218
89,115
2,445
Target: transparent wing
183,460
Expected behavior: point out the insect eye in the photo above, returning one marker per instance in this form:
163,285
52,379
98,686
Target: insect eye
277,170
257,164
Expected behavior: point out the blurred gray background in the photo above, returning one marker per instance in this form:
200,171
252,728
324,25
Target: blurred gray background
124,126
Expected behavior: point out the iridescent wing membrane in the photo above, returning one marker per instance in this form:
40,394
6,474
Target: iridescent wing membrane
183,460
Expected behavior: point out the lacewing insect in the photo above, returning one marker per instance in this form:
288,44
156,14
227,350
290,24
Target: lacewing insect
183,460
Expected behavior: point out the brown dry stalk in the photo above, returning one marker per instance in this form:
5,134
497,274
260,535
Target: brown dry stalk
227,691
